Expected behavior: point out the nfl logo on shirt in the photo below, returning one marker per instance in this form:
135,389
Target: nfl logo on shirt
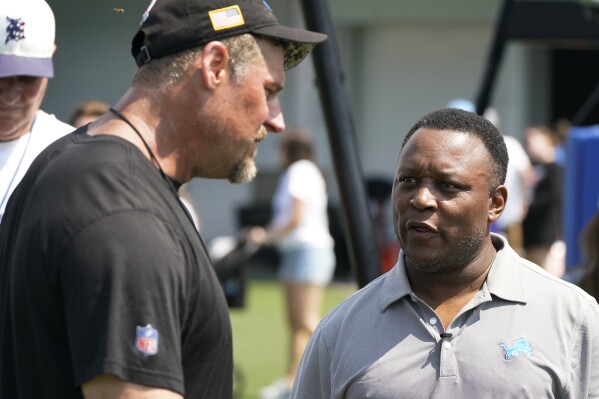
146,340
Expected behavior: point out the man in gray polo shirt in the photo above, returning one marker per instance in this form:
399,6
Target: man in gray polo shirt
461,315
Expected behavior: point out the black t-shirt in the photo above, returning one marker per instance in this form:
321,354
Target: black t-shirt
102,272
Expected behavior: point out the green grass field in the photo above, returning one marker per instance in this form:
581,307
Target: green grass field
260,334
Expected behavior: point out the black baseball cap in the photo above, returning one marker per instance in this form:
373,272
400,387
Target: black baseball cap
170,26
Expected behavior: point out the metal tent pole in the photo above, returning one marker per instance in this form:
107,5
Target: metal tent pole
493,59
364,257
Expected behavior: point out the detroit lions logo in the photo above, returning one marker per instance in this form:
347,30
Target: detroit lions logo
520,345
15,30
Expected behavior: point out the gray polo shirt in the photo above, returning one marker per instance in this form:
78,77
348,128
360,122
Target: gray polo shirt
526,334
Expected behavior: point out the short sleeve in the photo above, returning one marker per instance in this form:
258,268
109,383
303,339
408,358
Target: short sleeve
122,282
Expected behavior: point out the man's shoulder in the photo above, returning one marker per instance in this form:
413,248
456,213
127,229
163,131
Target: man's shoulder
544,283
100,151
515,274
87,177
358,305
547,293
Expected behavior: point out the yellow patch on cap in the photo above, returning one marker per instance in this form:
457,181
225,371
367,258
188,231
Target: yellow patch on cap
225,18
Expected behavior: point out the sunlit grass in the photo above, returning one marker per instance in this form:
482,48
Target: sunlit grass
260,333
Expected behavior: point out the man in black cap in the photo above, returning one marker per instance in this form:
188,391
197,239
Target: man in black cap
106,289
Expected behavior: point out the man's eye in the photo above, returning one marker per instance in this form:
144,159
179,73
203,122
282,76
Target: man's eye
408,180
446,185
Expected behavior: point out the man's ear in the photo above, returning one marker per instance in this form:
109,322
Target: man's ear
214,60
497,201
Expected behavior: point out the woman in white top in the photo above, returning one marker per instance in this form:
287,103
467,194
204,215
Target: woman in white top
300,231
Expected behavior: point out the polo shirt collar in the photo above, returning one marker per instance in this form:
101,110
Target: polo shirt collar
396,284
503,281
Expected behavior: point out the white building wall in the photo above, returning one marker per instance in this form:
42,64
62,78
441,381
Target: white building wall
409,71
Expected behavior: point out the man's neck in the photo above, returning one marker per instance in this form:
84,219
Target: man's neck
448,292
139,128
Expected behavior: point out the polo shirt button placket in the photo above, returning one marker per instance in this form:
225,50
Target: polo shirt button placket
447,361
434,326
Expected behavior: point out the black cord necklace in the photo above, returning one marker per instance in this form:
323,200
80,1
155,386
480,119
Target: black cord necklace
152,156
165,178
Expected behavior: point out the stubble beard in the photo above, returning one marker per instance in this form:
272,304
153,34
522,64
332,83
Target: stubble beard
245,171
464,252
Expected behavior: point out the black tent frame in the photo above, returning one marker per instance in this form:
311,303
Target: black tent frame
555,23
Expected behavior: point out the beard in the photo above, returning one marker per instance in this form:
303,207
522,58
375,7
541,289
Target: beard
460,253
246,170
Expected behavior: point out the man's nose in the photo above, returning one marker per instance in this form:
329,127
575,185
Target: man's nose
275,122
423,198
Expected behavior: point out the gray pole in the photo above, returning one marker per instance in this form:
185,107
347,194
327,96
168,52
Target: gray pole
494,57
364,257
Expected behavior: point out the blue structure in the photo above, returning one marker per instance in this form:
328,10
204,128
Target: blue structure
581,187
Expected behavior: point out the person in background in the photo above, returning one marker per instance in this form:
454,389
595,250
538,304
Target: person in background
300,231
378,190
27,30
562,128
106,288
542,226
519,182
461,315
88,111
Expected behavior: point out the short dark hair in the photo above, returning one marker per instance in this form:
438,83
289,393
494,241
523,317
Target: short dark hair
470,123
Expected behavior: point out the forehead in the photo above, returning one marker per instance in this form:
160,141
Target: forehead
445,151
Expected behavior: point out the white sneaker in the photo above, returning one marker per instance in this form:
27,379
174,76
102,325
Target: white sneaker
279,389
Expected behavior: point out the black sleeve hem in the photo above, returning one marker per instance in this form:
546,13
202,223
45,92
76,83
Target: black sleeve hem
132,375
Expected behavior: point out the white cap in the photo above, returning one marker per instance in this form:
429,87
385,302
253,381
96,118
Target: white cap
27,30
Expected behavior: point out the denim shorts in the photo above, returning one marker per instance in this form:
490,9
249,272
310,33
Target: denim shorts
307,265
